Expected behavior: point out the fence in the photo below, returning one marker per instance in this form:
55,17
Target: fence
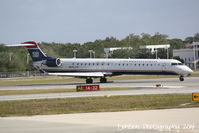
21,74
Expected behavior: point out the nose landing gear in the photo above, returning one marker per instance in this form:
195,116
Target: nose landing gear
181,78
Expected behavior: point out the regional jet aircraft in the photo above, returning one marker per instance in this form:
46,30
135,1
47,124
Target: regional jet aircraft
102,68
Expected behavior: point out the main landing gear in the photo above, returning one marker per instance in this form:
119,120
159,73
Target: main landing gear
103,80
90,80
181,78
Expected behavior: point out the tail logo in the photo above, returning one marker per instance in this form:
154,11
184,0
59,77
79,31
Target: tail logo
35,54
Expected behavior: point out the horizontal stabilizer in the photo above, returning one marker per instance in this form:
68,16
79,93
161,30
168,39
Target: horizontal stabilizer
20,45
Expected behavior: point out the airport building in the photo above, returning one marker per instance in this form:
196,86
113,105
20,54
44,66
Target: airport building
109,51
154,48
190,56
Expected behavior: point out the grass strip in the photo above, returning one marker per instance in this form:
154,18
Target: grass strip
38,80
34,91
94,104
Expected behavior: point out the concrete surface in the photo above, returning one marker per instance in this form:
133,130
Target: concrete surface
173,82
152,121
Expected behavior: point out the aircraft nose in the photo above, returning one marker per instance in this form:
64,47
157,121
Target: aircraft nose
189,71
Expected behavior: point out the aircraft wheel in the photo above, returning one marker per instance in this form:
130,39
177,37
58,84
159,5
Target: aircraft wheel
89,81
103,80
181,78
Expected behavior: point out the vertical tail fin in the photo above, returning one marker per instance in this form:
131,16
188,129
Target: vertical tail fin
33,48
35,52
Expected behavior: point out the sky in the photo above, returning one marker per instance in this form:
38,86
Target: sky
80,21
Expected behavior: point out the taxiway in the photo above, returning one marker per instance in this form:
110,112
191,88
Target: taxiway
136,87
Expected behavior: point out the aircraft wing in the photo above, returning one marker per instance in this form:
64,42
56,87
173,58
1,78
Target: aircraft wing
82,74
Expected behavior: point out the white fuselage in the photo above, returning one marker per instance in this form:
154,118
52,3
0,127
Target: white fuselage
120,66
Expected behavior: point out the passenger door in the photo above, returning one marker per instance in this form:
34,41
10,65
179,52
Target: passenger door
164,67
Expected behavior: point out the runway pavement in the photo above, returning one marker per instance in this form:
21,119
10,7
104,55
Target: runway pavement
143,86
189,82
150,121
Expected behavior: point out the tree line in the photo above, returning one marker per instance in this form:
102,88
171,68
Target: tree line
18,59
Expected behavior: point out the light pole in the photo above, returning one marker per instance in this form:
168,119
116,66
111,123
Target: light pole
90,52
27,58
194,51
93,54
167,52
129,40
156,53
74,53
10,57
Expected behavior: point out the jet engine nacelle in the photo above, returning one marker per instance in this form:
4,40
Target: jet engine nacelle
53,62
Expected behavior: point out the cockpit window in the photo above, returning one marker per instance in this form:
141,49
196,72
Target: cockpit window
173,64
